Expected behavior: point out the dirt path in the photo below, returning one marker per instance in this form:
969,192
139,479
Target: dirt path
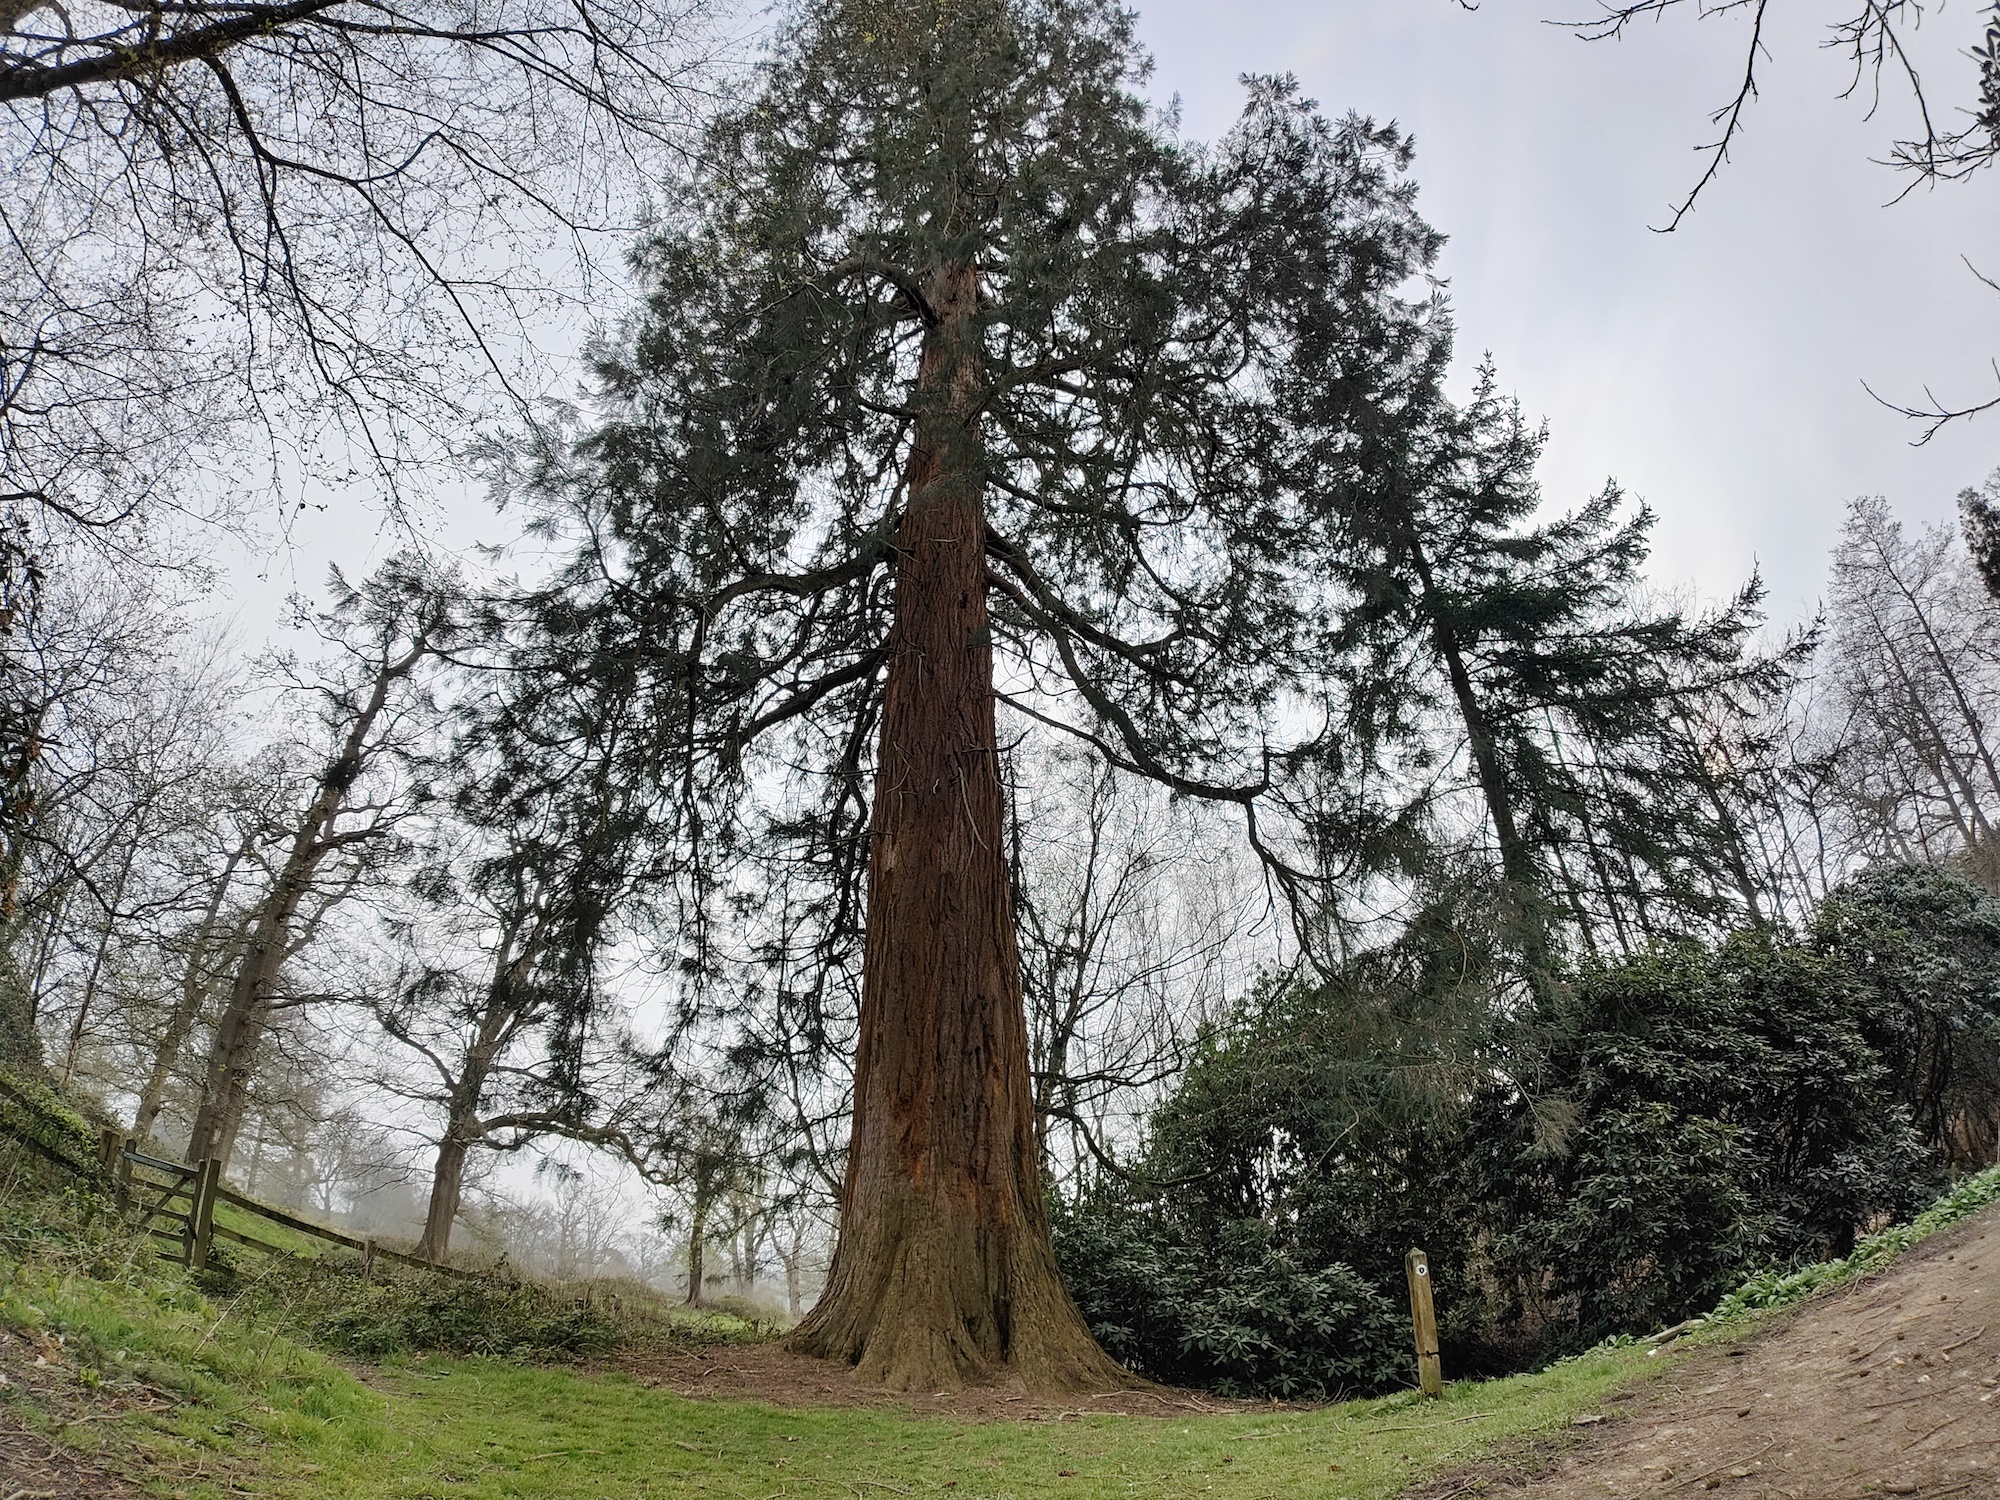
31,1467
774,1374
1890,1386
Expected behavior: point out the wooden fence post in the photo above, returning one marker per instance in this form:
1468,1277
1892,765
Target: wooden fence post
108,1144
121,1176
367,1259
1423,1315
201,1211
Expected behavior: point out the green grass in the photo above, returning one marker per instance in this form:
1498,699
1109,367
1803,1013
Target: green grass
284,1421
272,1233
264,1414
484,1429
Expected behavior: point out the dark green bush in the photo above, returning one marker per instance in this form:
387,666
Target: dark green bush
1609,1157
1923,944
1240,1316
327,1302
1689,1114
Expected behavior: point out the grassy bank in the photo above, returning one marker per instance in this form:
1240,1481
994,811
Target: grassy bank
266,1415
199,1388
212,1399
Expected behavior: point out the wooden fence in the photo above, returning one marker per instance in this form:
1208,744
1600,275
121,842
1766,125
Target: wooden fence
175,1202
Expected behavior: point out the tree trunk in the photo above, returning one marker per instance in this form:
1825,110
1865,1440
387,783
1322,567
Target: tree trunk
153,1097
462,1126
1524,911
196,982
447,1191
244,1015
232,1056
697,1244
943,1274
81,1024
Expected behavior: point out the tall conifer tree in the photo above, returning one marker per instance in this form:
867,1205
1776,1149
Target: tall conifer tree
1522,647
963,363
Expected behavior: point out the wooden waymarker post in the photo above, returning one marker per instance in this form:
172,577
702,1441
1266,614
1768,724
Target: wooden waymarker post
1423,1315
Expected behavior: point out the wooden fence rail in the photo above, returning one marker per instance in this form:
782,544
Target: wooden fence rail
173,1201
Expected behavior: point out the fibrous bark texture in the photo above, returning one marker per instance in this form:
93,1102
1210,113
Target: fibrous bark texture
944,1275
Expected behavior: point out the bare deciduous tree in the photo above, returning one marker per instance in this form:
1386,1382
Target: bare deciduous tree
301,212
390,628
1914,669
1123,950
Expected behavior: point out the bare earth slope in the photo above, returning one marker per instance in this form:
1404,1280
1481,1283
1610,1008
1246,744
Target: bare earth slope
32,1467
1889,1386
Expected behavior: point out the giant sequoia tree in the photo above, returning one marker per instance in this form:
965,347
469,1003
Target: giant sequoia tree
965,370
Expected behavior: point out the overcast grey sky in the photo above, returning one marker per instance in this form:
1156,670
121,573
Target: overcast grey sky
1717,371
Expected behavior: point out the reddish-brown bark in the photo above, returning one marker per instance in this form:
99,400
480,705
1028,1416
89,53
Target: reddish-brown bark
944,1275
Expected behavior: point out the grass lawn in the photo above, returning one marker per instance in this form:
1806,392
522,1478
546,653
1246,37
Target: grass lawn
264,1416
487,1430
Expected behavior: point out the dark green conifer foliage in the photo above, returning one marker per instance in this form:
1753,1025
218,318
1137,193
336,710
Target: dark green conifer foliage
1579,705
961,367
543,842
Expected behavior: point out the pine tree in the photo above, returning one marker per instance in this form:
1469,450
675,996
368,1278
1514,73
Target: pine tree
1578,709
962,366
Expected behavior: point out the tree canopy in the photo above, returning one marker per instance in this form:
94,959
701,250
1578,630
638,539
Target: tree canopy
967,358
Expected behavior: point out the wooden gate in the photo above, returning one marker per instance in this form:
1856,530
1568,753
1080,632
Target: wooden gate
170,1201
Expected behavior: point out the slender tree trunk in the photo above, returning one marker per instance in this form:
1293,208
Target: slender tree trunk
81,1024
697,1245
45,948
233,1054
461,1129
247,1010
1517,866
447,1193
196,982
943,1273
468,1092
152,1098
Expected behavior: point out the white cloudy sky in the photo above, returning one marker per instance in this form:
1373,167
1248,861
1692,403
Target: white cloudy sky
1716,371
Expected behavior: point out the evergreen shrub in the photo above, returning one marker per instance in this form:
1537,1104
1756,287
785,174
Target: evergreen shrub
1608,1158
1243,1316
